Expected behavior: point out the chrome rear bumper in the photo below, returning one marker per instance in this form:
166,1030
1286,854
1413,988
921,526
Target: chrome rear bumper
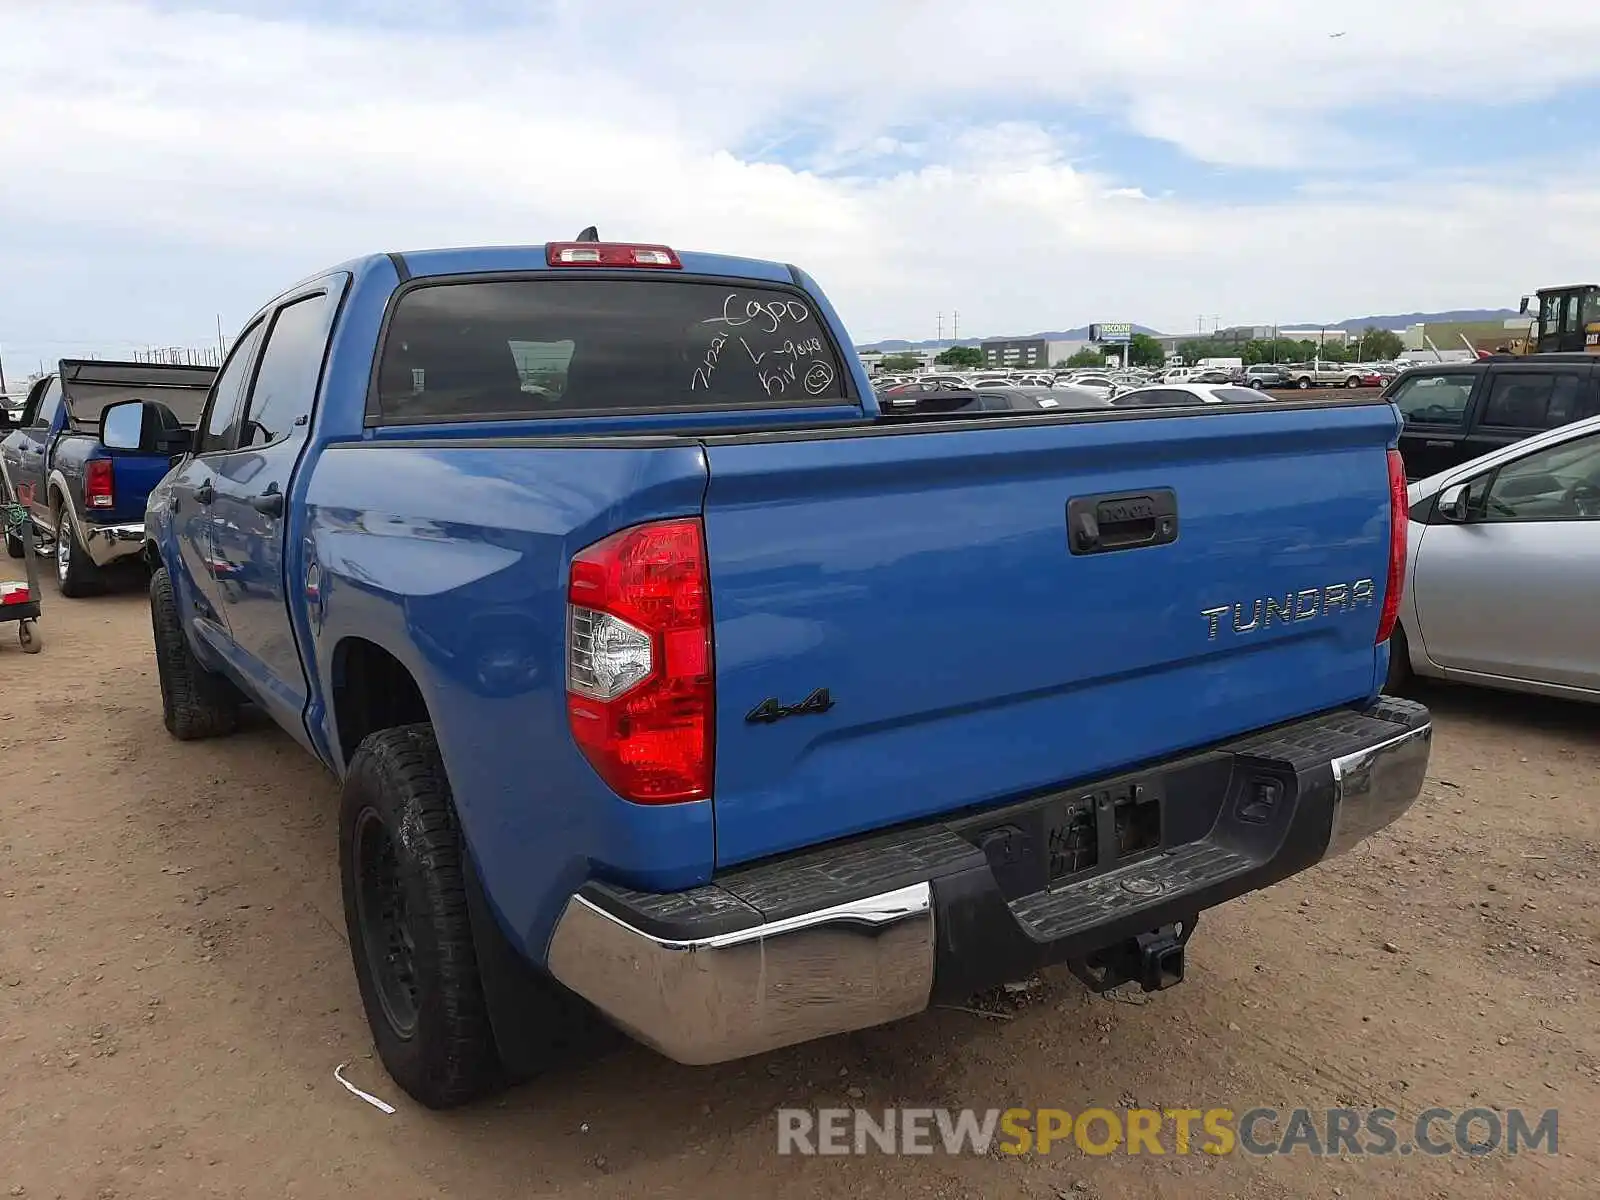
712,999
862,962
1375,786
107,544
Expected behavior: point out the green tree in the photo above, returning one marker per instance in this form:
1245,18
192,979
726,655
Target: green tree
1378,344
1087,357
901,362
960,356
1145,351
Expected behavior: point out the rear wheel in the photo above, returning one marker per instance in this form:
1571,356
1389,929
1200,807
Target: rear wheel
14,547
405,907
1353,382
1303,383
194,702
75,571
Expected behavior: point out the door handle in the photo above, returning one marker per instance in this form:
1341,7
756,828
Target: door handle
269,503
205,493
1434,444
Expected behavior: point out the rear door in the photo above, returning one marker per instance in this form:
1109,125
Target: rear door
1511,593
27,449
924,583
1522,399
1436,405
250,509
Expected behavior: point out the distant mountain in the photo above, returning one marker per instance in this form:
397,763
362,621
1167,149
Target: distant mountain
1080,334
1398,321
1395,321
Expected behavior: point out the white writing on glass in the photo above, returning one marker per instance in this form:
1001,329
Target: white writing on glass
769,313
708,364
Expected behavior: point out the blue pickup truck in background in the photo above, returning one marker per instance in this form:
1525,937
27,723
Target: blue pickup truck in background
87,497
668,678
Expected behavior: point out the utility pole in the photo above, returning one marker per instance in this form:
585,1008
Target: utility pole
955,326
2,374
940,338
222,346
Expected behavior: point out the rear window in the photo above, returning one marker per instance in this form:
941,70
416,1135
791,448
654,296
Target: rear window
530,348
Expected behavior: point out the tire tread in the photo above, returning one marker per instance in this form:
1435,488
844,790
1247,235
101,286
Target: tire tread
452,1060
195,703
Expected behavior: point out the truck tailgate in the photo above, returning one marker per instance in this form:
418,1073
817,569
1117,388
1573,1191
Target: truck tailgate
924,579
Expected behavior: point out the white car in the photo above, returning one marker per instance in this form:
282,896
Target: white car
1503,567
1103,385
1177,395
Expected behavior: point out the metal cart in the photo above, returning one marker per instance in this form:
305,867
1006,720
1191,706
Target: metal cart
19,602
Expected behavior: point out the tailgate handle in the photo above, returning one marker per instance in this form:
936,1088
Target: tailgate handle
1124,521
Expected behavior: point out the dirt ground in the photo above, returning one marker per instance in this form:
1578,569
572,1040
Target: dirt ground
175,992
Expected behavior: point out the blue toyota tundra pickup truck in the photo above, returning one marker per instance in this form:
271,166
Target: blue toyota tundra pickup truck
668,679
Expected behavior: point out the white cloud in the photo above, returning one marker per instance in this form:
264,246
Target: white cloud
238,151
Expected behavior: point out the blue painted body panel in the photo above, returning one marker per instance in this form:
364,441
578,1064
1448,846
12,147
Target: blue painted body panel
924,578
926,582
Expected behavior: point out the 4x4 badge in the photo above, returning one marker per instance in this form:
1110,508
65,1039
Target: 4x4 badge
769,710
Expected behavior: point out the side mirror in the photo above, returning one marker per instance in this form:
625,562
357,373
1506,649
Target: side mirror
1453,504
143,425
5,418
1524,309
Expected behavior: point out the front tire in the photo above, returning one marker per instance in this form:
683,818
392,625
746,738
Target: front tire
194,702
405,907
1304,384
1353,382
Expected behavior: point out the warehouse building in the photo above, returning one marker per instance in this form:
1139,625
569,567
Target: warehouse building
1024,353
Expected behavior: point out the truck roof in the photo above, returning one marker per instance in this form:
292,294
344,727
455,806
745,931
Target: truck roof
471,260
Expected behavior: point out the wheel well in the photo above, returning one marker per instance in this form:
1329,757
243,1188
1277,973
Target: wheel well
372,690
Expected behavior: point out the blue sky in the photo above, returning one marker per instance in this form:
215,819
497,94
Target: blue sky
163,164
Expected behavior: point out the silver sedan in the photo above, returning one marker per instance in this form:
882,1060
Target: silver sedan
1504,569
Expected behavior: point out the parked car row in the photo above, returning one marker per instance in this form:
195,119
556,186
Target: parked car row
1261,376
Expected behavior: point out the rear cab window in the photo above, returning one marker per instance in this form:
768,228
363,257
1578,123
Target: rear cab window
1440,399
510,348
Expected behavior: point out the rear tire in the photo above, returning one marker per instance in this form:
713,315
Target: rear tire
75,571
1304,384
405,908
1399,662
1352,382
14,547
195,703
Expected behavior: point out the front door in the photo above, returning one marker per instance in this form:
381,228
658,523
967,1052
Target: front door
191,497
1435,405
251,509
1511,591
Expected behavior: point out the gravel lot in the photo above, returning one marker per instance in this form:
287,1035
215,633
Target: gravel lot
175,992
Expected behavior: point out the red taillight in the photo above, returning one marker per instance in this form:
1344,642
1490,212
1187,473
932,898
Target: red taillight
640,691
97,491
1399,515
609,254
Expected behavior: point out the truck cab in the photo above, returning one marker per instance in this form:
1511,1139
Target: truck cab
1565,320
